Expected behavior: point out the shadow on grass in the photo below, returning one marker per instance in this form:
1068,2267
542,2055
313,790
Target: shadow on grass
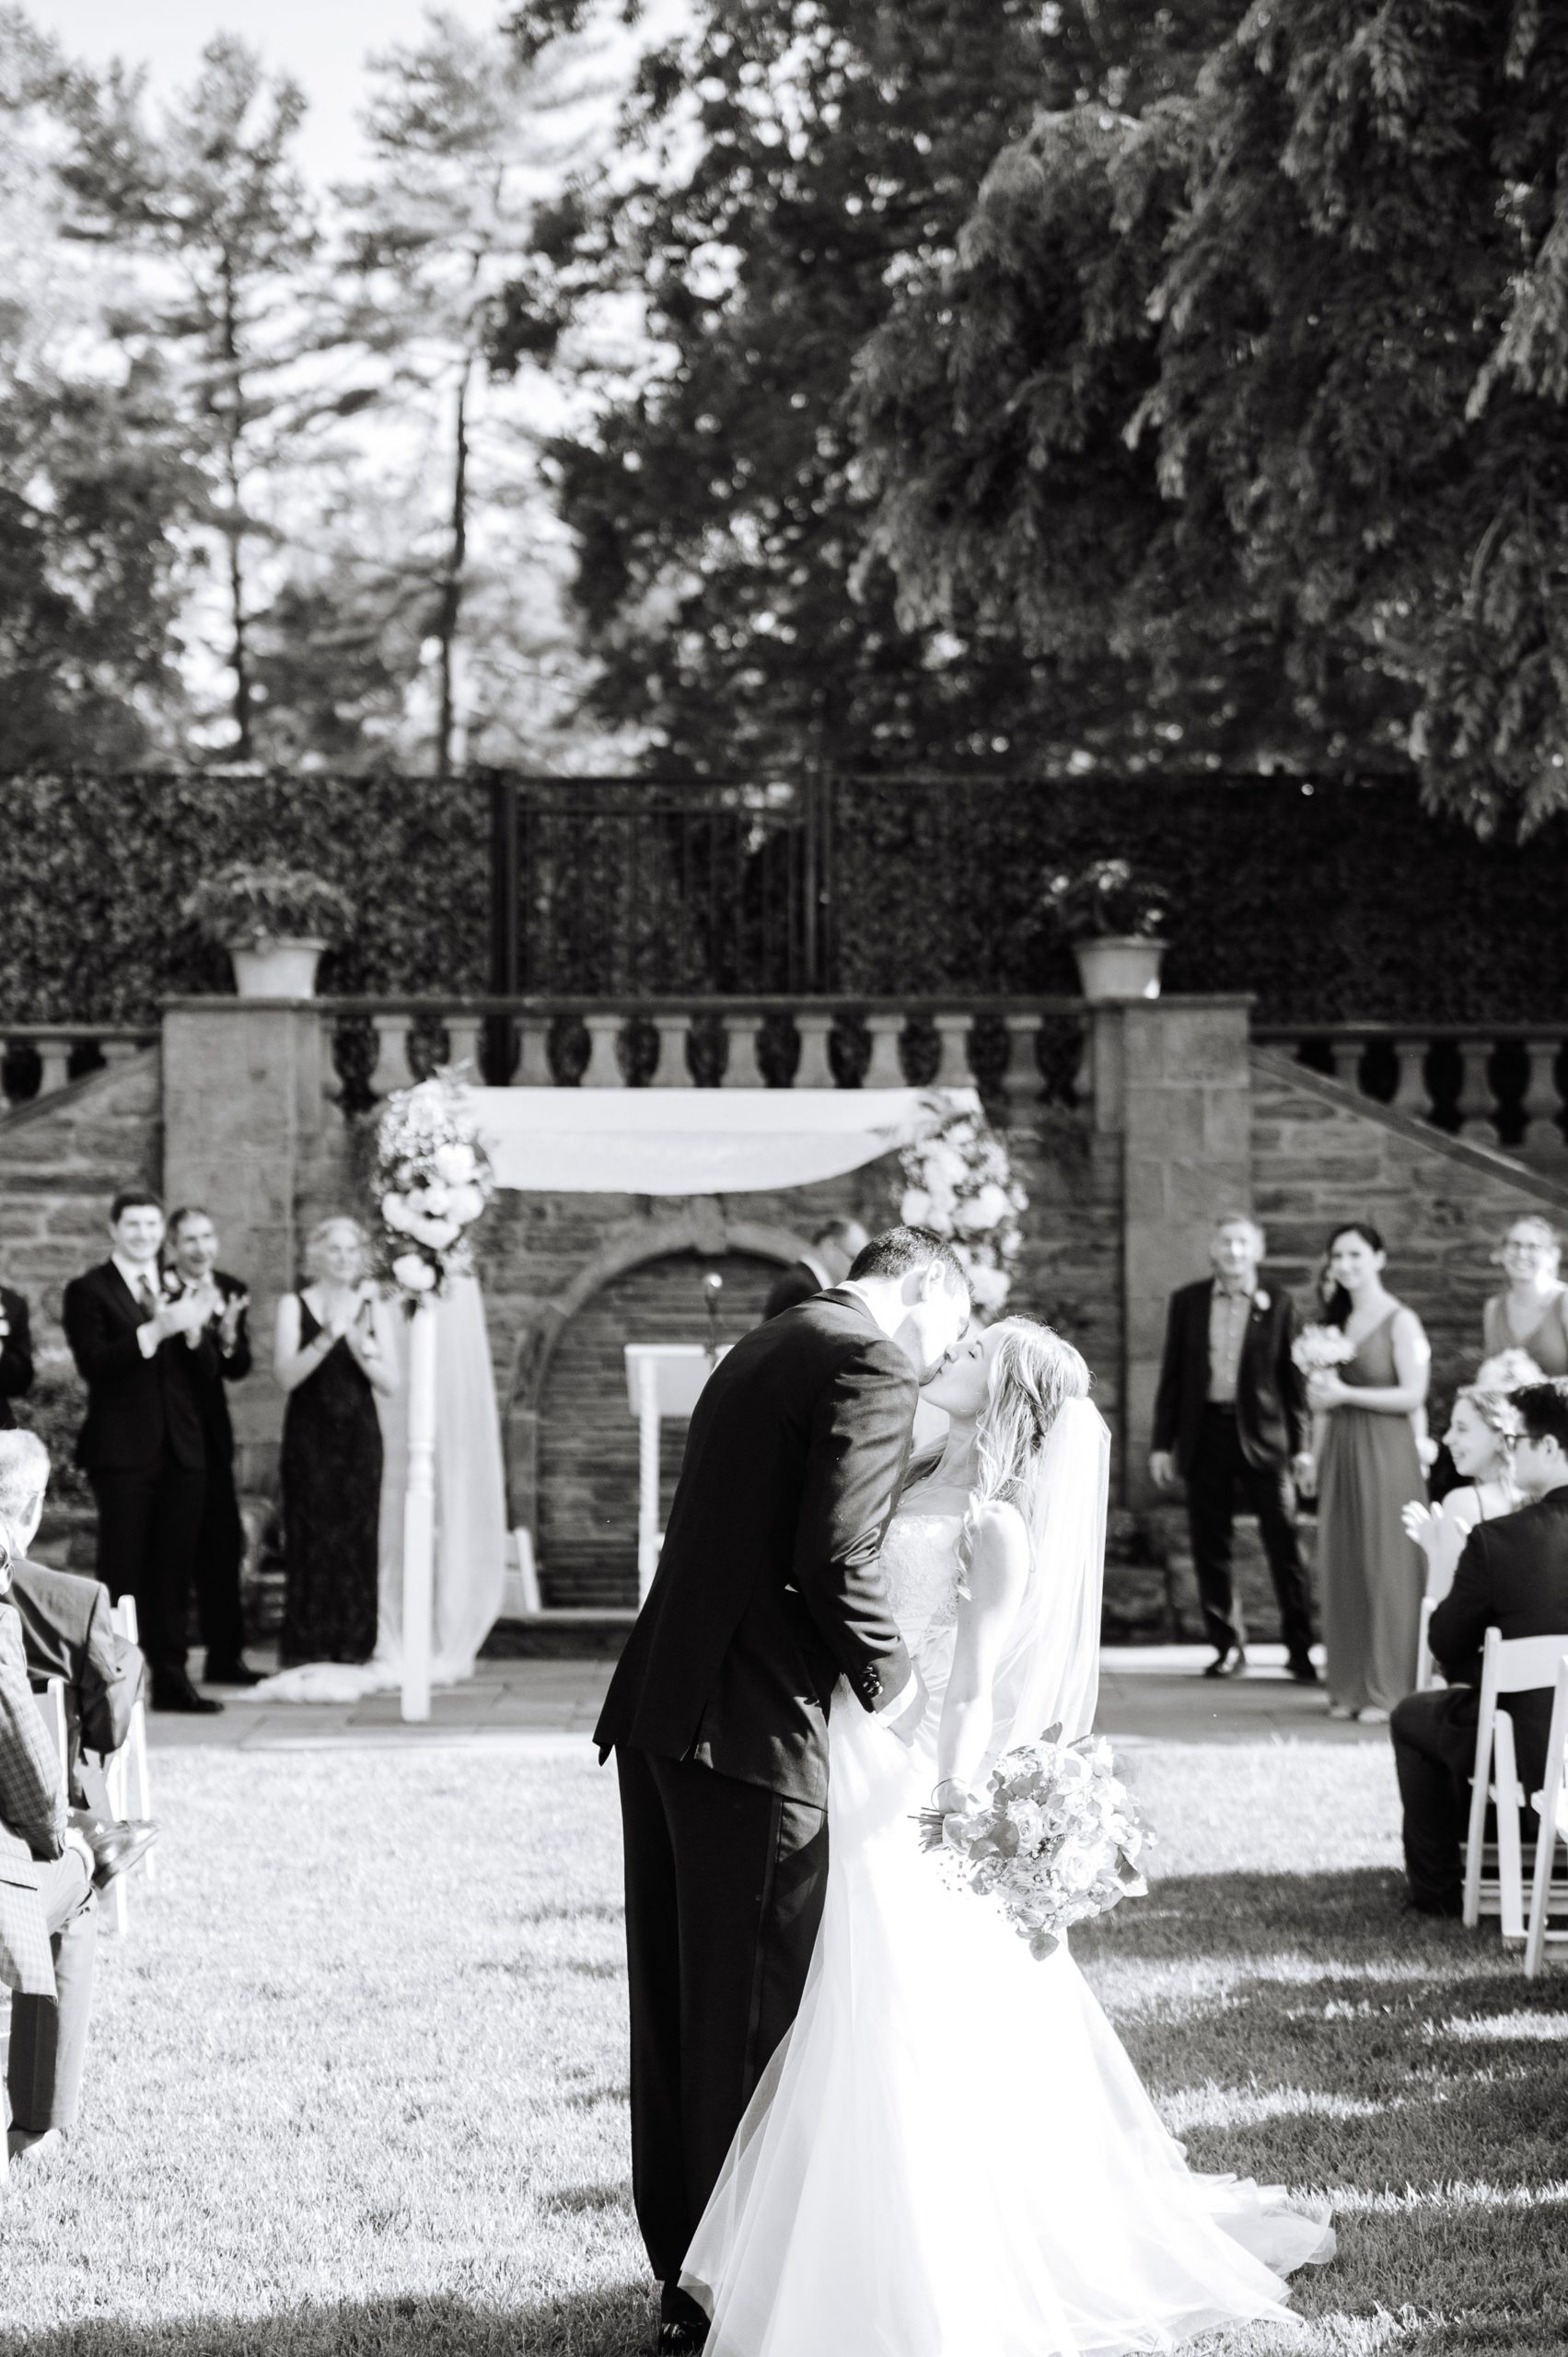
1307,2028
616,2323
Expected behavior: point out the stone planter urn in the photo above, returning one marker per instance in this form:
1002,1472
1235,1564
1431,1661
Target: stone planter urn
284,968
1119,966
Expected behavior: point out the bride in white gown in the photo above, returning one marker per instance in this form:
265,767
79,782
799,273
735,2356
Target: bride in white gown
950,2155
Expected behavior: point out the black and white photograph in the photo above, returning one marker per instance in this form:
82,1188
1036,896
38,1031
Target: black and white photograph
784,1174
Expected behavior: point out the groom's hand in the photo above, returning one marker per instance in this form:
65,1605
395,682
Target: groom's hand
905,1714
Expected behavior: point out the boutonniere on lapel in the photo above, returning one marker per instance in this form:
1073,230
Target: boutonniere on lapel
1259,1301
172,1284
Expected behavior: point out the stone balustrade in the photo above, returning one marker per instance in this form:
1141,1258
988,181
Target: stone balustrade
1033,1049
37,1059
1494,1085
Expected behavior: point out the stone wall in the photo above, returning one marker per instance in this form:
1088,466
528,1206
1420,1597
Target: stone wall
62,1163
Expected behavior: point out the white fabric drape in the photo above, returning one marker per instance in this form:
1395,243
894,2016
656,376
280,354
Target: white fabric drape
696,1141
471,1494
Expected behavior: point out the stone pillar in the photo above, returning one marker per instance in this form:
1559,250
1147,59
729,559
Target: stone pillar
1185,1115
243,1109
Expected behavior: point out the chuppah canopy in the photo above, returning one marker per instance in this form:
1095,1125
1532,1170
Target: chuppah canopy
697,1141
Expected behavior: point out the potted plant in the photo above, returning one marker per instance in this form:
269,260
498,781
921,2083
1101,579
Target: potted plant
274,921
1112,919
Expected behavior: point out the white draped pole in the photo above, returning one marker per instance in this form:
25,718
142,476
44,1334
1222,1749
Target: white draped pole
419,1514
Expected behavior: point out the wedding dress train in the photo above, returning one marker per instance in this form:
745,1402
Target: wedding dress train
950,2155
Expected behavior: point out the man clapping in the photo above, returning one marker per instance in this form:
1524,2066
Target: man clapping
223,1358
143,1446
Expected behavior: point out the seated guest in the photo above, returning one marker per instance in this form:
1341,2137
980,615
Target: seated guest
224,1358
48,1922
1532,1313
1512,1576
142,1444
834,1249
334,1350
67,1631
16,1355
1481,1439
1229,1417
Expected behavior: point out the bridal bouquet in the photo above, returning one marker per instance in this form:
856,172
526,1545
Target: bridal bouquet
1057,1840
1317,1349
431,1180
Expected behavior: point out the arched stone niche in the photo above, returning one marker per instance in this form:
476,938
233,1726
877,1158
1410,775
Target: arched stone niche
701,1231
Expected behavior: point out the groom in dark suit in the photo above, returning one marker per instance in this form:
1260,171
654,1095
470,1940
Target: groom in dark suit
1512,1576
769,1590
142,1444
1230,1416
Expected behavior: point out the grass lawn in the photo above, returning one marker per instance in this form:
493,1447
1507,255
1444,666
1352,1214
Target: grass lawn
357,2080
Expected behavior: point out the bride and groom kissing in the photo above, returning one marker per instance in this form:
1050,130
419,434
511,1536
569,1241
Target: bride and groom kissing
864,2117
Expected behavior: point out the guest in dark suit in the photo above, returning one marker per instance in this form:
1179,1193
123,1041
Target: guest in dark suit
16,1355
223,1358
1512,1576
142,1444
67,1631
48,1918
834,1248
1229,1417
769,1589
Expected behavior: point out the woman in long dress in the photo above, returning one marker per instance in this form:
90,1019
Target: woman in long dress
335,1350
950,2155
1531,1315
1367,1415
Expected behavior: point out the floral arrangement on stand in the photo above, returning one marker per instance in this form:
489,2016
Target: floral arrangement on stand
1056,1841
432,1181
959,1183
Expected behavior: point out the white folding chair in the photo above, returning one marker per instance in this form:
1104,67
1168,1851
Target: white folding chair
1511,1666
125,1772
1550,1805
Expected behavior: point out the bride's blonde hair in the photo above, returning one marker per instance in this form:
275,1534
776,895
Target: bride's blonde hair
1033,1372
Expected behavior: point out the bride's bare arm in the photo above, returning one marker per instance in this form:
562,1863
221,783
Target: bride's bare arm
999,1570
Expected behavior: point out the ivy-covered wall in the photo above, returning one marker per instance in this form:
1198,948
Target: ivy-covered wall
1340,901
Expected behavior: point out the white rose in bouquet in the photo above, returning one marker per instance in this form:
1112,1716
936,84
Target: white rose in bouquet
914,1207
989,1287
395,1211
466,1204
414,1273
992,1204
433,1202
437,1233
455,1162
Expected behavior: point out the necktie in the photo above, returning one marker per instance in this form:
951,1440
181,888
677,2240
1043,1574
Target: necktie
146,1295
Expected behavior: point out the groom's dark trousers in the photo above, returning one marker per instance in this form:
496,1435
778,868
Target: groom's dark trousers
769,1590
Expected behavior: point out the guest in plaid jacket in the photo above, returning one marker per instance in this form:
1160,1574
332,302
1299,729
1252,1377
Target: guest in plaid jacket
48,1918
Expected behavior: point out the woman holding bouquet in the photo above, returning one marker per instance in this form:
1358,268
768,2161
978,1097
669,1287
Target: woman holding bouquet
950,2154
1367,1416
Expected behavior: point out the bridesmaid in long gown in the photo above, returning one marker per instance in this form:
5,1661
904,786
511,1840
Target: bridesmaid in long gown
1368,1470
1532,1315
335,1352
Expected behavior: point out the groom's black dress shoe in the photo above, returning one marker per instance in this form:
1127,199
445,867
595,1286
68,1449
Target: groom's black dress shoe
1230,1664
682,2325
1303,1669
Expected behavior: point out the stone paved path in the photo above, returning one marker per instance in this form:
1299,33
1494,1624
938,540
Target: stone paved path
1147,1694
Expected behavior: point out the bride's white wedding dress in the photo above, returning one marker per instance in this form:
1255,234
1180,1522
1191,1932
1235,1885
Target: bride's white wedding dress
952,2155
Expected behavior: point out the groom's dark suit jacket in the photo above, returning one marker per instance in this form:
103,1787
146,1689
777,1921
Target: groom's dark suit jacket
768,1584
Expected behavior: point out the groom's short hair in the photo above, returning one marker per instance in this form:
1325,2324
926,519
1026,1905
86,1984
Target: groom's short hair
898,1250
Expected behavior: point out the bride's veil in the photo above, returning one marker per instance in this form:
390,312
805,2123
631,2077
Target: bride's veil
1049,1674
